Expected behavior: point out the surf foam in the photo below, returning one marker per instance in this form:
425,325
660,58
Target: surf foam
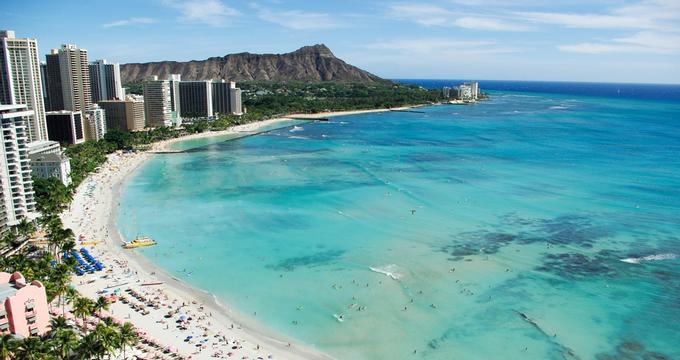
388,270
657,257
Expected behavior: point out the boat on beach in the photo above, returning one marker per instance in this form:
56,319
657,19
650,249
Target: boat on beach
139,241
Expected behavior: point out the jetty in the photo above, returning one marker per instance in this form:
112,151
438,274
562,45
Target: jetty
407,111
308,118
165,151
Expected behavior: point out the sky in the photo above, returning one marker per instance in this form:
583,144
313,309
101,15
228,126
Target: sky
567,40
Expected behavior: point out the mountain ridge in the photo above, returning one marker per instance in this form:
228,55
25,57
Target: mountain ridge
313,63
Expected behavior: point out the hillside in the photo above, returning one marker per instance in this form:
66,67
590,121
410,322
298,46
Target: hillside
309,64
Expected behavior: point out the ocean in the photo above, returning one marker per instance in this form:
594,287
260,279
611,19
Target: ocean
541,224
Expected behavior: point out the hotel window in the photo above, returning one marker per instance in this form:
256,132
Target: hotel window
34,331
4,326
30,320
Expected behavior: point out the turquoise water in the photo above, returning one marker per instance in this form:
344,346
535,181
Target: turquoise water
200,142
503,225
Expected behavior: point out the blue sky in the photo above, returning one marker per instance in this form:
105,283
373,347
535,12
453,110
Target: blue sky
578,40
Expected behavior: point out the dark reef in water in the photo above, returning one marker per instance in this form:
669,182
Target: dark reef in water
313,260
632,350
571,230
574,265
576,230
478,242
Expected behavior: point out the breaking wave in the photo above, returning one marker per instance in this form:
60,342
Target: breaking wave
390,270
657,257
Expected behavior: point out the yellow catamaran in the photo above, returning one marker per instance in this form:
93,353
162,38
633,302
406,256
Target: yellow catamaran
139,241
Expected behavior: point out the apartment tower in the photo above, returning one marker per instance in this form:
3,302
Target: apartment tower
105,81
226,98
20,80
17,200
195,99
68,69
158,103
126,115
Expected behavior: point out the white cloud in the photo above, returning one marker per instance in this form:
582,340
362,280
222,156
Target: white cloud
589,21
130,21
478,23
210,12
300,20
644,42
427,15
646,14
440,47
652,9
431,15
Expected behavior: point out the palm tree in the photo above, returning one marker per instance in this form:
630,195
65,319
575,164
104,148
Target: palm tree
89,348
100,305
58,237
58,323
7,345
60,277
70,295
127,335
82,307
64,341
25,228
30,348
107,337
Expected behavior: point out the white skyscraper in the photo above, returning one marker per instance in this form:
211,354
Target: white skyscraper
96,120
17,200
157,103
20,80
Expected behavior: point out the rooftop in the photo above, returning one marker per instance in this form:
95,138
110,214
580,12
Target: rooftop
7,290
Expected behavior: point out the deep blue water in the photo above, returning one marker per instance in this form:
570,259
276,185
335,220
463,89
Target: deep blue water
609,90
503,224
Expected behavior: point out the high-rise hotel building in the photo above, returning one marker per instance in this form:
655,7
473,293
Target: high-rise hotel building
126,115
196,99
67,68
20,80
105,81
226,98
17,198
158,103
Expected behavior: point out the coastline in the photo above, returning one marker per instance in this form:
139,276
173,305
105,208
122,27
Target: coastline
256,127
329,114
95,218
245,130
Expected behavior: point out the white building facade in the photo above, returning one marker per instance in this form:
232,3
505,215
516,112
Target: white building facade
20,80
17,197
158,103
96,120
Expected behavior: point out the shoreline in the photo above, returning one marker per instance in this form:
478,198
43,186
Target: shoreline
95,218
256,127
224,314
98,216
248,129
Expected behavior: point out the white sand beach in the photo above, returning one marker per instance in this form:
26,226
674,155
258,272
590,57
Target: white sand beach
329,114
209,330
245,129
